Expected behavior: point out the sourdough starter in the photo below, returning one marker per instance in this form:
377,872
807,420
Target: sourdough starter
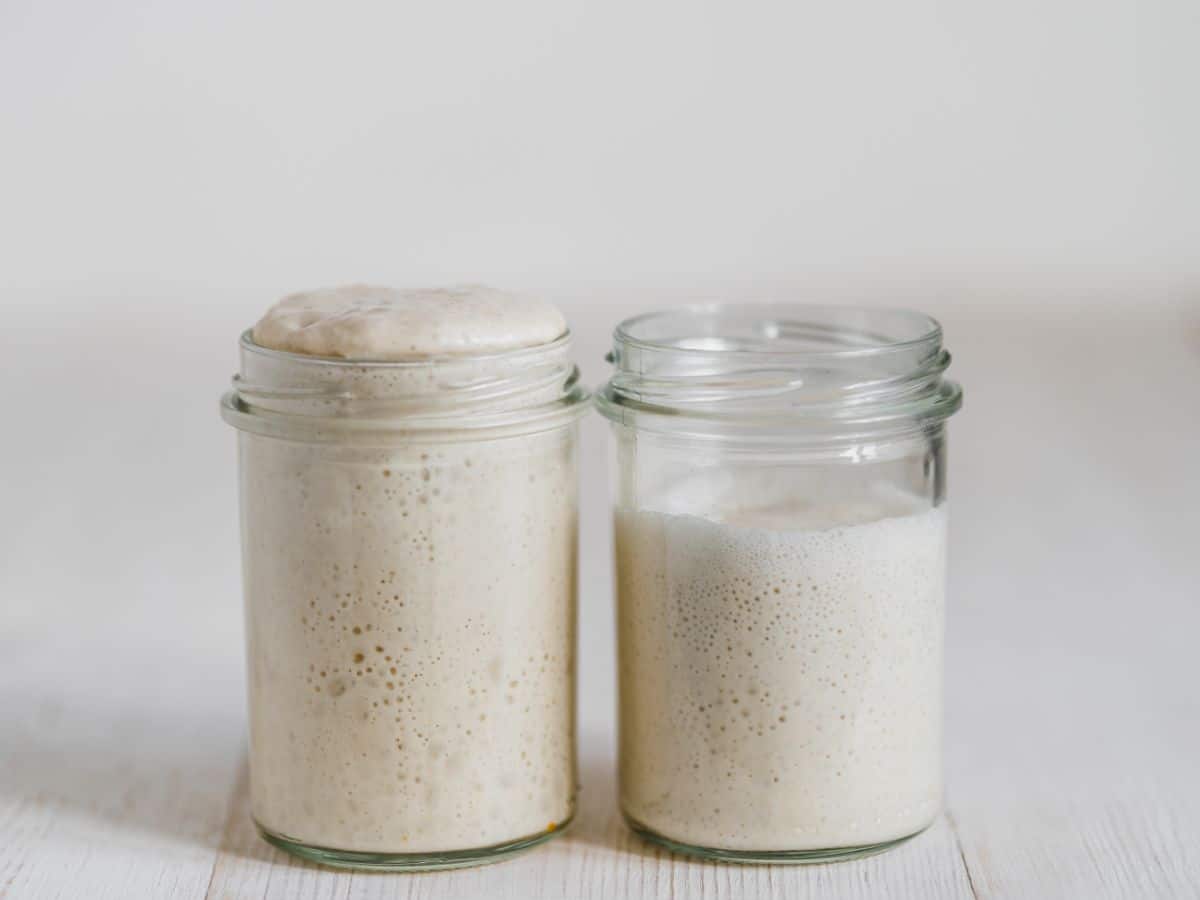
780,674
410,608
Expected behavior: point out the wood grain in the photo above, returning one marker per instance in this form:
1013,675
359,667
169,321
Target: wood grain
105,791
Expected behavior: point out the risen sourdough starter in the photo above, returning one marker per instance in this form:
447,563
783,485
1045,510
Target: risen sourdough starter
781,675
410,609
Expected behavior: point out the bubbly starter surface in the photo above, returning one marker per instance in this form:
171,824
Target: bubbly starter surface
368,322
780,675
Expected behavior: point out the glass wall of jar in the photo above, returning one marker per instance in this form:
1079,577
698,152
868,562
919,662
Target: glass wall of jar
409,550
781,554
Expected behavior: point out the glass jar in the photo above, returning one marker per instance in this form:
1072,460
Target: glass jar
781,554
409,551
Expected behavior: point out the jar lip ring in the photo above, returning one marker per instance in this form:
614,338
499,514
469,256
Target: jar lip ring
249,345
278,393
378,432
930,330
903,419
811,371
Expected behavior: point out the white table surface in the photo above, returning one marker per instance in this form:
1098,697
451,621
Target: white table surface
1073,670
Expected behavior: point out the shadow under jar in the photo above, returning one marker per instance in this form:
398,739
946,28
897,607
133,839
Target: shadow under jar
409,550
781,555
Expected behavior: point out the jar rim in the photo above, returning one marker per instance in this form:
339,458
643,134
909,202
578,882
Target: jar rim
927,331
794,372
281,394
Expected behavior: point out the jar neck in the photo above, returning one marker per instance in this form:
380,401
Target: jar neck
301,397
780,372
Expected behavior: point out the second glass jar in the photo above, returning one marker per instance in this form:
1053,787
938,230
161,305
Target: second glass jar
781,554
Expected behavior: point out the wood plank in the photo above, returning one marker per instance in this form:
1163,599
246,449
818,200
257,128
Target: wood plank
1099,847
109,788
1073,719
249,867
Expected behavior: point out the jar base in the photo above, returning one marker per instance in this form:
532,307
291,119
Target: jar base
406,862
766,857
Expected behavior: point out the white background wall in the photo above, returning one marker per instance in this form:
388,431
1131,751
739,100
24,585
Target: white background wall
168,169
198,152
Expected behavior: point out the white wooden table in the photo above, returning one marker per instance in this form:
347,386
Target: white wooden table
1073,698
